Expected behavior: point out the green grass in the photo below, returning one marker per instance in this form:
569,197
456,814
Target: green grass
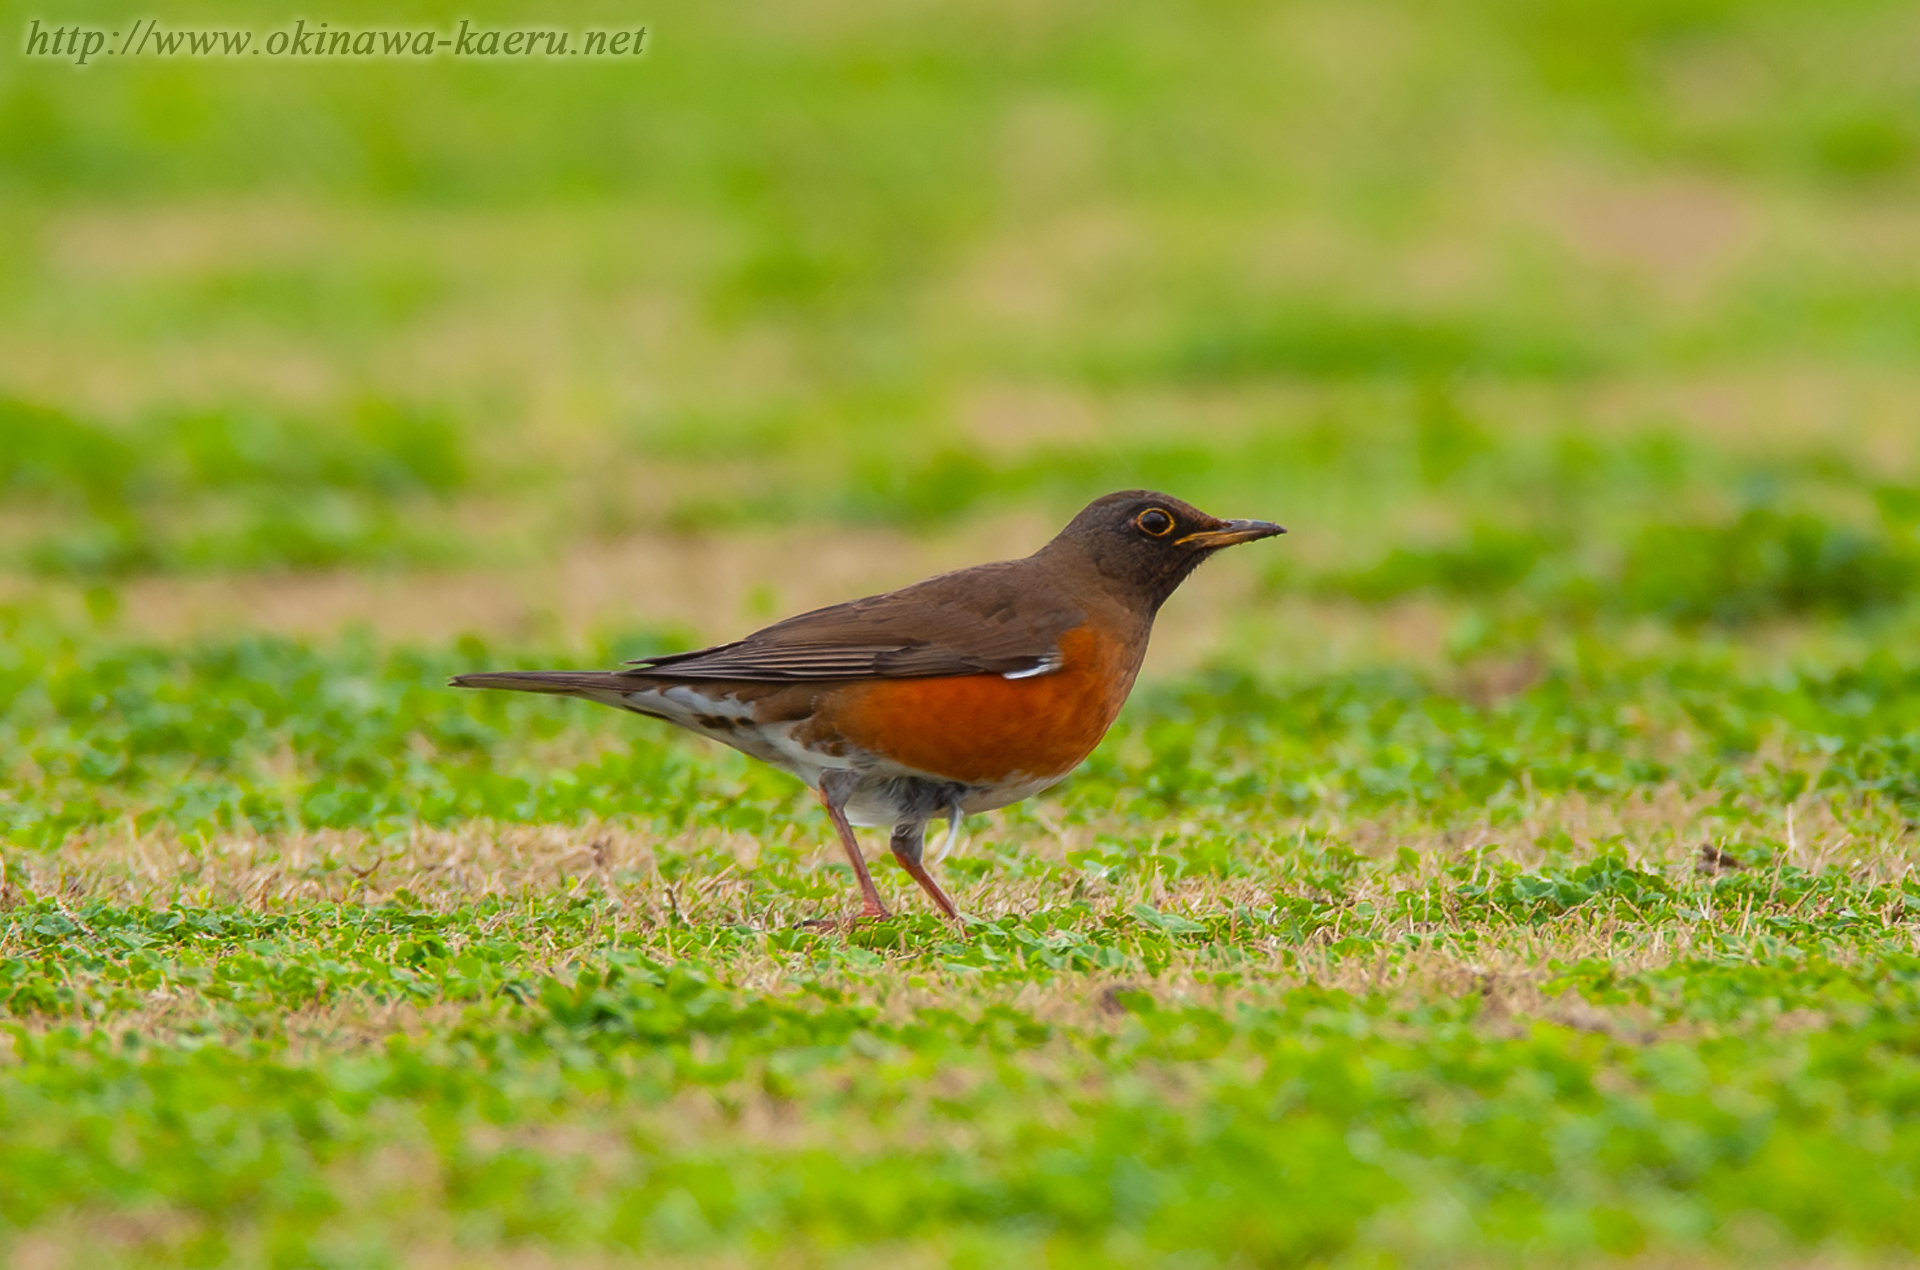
1359,966
273,737
1517,868
776,267
641,1099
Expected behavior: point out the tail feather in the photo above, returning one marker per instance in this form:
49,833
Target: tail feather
712,710
597,685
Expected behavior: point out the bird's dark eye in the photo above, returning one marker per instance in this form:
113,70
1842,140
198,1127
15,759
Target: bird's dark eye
1154,523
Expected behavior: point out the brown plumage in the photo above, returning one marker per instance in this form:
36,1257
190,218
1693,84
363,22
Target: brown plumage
962,693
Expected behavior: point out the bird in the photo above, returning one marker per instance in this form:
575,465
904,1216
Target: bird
962,693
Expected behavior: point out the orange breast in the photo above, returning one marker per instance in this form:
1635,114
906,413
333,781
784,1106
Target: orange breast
985,728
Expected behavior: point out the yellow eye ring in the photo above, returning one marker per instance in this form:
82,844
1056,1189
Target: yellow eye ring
1154,522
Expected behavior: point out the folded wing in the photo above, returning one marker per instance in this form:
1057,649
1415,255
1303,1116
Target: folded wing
926,631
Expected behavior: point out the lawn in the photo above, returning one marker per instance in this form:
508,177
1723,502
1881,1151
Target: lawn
1514,865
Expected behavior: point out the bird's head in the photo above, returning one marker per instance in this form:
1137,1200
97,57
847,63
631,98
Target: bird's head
1149,542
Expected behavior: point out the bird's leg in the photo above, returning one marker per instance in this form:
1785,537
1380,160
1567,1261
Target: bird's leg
835,788
908,840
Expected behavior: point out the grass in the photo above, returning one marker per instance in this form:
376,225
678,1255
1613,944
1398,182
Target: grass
1515,865
309,960
621,1044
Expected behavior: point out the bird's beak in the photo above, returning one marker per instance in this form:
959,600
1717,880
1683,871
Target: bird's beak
1230,532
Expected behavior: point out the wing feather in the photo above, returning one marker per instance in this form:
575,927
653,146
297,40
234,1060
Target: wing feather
930,630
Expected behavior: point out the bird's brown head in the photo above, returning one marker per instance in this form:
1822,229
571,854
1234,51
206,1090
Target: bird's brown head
1147,543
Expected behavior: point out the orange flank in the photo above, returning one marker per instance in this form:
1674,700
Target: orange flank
982,729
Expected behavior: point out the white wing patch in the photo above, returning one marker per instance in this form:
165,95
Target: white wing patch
1046,666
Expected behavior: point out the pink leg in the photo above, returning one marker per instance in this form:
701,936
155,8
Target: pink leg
908,842
833,796
918,873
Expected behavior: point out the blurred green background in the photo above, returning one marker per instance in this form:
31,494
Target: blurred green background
1563,311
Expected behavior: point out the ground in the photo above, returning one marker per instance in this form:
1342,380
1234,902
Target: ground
1513,865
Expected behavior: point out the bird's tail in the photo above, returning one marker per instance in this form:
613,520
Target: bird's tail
609,686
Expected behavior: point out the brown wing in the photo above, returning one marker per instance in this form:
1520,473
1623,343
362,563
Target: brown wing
982,620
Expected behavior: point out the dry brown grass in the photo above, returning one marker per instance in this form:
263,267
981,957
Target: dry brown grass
446,868
1437,955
